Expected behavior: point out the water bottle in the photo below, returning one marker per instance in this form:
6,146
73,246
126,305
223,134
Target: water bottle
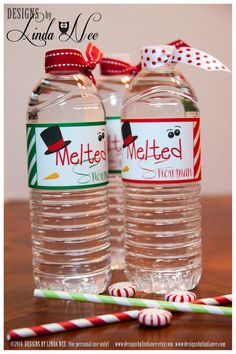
161,172
116,75
68,176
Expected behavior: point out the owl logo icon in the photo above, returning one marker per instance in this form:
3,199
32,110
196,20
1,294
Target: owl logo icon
64,27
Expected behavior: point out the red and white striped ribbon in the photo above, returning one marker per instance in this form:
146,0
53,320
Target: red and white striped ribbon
57,60
111,66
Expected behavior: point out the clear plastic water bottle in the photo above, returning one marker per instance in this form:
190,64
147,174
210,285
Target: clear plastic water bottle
68,177
161,174
111,88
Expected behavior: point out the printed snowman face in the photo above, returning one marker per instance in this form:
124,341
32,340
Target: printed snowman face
162,150
71,154
164,154
101,135
174,132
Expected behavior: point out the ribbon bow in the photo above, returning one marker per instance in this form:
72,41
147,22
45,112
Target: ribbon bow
155,57
66,59
110,66
94,56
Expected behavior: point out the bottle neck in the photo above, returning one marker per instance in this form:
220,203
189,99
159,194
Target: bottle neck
119,79
79,79
166,68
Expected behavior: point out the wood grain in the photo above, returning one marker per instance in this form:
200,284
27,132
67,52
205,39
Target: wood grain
187,331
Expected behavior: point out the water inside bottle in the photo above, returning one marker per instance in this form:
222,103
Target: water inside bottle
111,89
70,228
162,221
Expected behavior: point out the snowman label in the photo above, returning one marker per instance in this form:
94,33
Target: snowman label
67,155
161,150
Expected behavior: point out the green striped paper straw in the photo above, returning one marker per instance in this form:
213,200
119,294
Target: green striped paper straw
129,301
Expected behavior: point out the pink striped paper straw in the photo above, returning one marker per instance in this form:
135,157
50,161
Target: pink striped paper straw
66,326
217,300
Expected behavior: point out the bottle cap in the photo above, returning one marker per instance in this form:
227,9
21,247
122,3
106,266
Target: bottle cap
154,56
64,60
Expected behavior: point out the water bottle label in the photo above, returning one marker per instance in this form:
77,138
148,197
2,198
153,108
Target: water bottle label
163,150
114,144
67,155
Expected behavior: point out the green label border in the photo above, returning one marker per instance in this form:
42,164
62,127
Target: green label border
115,171
69,187
113,117
32,168
76,124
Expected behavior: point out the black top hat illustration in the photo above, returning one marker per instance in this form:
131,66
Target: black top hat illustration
128,138
53,139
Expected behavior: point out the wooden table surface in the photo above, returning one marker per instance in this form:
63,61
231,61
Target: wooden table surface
187,331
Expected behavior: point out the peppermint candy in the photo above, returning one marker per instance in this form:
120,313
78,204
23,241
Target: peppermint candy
122,289
155,317
181,296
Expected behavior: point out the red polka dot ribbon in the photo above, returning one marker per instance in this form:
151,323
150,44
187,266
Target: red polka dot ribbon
71,60
154,57
110,66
